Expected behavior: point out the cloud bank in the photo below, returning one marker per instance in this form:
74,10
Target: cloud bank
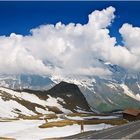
72,49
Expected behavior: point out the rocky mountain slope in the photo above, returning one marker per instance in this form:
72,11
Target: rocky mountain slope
71,94
103,93
62,98
34,82
108,93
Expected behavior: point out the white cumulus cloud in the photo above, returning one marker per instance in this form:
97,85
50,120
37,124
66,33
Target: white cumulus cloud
72,49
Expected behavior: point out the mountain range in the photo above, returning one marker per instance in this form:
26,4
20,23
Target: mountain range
102,93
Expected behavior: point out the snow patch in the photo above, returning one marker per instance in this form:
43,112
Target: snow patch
138,96
80,81
68,95
8,109
110,101
128,92
138,86
42,111
111,86
91,117
25,96
29,130
61,100
51,101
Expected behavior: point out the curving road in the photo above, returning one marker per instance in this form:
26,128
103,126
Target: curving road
127,131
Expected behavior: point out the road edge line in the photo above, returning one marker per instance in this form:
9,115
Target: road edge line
131,135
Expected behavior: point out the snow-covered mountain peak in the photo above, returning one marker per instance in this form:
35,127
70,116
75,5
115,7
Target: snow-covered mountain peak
80,81
116,91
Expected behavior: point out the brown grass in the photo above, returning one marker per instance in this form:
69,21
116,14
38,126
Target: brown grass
57,124
51,116
86,122
79,114
4,138
40,117
54,109
112,122
33,117
85,114
8,119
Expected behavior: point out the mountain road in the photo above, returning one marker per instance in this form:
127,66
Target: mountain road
127,131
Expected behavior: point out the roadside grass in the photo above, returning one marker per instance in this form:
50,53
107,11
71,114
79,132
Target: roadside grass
111,122
85,122
4,138
85,114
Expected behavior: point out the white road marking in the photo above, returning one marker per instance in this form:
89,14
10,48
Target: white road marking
131,135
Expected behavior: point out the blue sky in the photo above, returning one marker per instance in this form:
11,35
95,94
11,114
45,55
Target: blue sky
20,17
68,49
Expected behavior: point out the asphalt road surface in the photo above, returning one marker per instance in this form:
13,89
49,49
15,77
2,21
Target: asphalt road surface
127,131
